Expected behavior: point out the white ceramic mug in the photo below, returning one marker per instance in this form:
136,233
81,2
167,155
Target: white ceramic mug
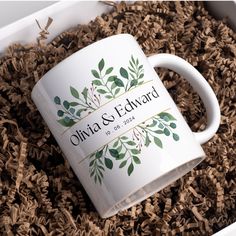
116,123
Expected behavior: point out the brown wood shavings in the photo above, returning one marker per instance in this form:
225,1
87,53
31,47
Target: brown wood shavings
39,194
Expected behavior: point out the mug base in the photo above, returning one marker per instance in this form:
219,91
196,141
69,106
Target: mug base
153,187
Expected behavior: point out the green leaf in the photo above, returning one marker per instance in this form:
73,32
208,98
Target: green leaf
119,82
101,64
99,154
66,123
113,85
100,172
173,125
133,82
122,164
121,156
130,69
92,173
97,82
161,126
130,169
166,132
147,141
135,151
95,74
131,143
99,179
108,163
132,59
132,65
101,167
154,123
175,137
66,104
119,148
163,114
159,131
114,152
111,78
124,73
116,143
60,113
67,119
140,67
95,179
91,163
137,61
85,93
158,142
100,161
140,82
133,76
166,118
74,92
136,160
109,70
117,91
108,96
57,100
72,110
73,104
141,76
124,138
102,91
78,113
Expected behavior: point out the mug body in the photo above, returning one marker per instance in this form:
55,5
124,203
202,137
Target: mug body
115,122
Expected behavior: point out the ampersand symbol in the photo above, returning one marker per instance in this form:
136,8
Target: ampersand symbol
107,119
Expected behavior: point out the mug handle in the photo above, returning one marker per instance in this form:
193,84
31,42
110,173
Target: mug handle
199,84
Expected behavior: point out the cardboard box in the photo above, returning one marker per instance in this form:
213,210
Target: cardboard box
68,14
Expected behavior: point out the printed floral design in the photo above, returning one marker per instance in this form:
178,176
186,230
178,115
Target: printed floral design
125,149
105,84
88,101
111,85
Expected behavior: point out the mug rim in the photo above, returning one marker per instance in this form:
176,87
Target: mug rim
88,47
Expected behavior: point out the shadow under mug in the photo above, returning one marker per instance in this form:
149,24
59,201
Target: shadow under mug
116,123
